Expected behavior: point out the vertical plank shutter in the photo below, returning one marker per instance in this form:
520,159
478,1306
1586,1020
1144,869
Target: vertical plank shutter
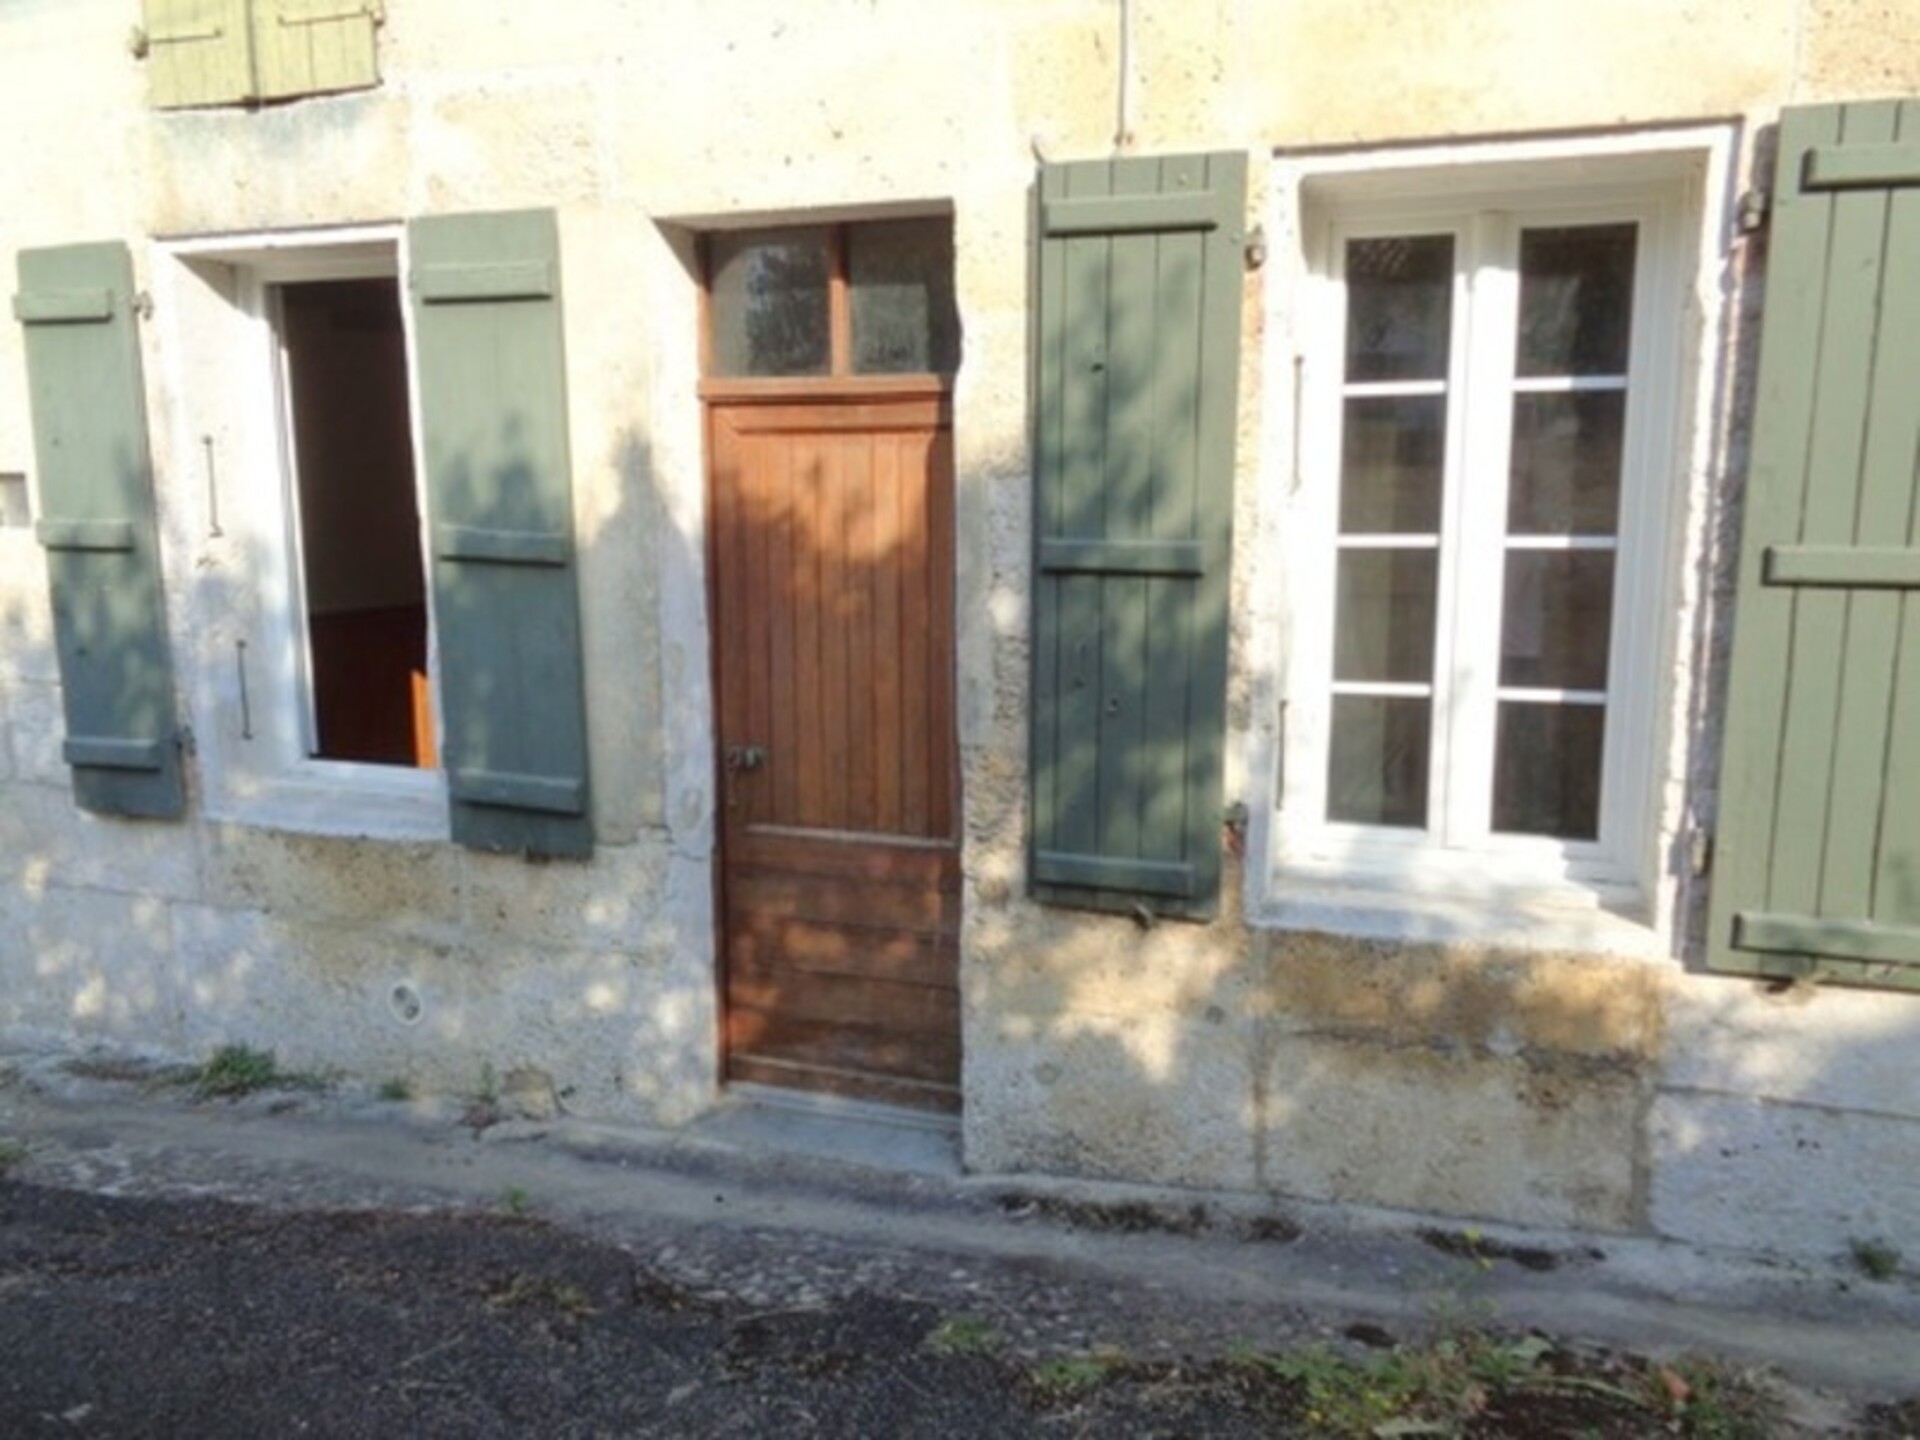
313,47
1136,373
103,558
1818,865
493,414
199,52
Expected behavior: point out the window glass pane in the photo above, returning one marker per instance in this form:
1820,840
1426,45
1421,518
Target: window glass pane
1576,299
904,321
769,303
1556,619
1399,303
1377,764
1566,463
1392,451
1383,617
1546,769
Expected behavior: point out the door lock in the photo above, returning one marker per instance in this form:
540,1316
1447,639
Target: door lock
741,758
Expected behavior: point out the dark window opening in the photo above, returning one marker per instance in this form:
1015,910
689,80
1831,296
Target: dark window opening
361,575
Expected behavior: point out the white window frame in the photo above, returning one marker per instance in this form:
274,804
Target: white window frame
256,729
1616,892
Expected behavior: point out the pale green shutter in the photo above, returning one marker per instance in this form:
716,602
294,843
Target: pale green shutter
313,47
198,52
1818,840
493,411
1136,377
103,557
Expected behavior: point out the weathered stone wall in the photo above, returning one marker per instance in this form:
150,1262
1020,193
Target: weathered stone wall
1618,1091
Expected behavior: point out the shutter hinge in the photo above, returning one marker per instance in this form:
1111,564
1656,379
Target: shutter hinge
137,44
1700,851
183,738
1256,247
142,304
1753,210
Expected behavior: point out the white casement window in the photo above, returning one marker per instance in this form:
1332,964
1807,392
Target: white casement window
1491,371
296,413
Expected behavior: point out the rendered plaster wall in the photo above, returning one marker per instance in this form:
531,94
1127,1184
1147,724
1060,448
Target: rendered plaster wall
1473,1078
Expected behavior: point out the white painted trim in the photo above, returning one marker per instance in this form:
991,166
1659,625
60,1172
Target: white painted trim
1391,885
254,747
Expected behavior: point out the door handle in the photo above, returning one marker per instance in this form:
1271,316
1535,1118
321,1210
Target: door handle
741,758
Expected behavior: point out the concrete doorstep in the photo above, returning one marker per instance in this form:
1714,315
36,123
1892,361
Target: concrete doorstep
780,1201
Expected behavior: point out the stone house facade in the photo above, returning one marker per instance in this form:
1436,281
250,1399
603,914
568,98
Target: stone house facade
1314,599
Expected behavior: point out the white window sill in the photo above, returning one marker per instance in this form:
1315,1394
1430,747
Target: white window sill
1565,916
406,805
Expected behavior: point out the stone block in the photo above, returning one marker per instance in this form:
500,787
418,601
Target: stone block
1487,1000
1860,47
92,965
503,142
333,160
1793,1179
1147,1098
1820,1045
323,877
47,842
611,901
37,726
1427,1128
617,1035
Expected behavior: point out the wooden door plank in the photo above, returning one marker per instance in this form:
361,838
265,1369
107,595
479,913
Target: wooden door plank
910,908
759,942
942,700
889,659
834,1045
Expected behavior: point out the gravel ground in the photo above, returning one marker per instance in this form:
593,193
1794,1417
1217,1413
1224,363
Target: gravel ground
300,1264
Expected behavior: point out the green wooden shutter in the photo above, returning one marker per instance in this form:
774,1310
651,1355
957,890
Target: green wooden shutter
313,47
199,52
103,554
493,412
1137,371
1818,839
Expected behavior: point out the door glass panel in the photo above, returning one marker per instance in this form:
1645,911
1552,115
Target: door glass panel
1546,769
1566,463
1555,619
1393,449
769,303
1399,307
1384,615
903,315
1377,763
1576,299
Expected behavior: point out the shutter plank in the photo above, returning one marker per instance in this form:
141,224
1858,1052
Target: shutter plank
88,403
493,415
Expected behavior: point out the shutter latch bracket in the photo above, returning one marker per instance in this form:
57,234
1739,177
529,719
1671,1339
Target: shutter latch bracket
1751,214
1256,247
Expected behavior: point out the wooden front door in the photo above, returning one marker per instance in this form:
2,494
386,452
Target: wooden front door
833,600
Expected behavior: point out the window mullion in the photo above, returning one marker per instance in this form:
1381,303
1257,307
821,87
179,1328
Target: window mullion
1477,529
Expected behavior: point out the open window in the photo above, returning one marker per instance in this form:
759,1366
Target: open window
361,583
388,634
